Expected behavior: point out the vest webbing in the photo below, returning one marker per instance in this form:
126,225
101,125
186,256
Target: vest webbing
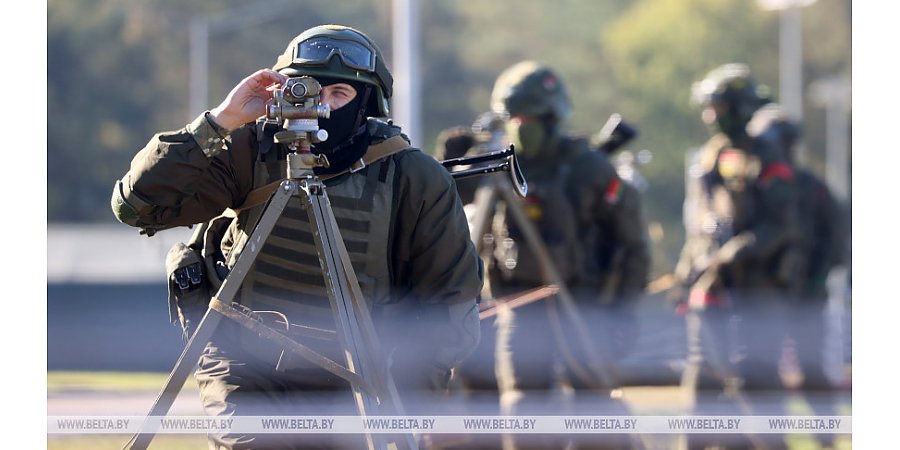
287,275
375,152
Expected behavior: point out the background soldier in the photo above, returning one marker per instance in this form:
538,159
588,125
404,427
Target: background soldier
416,265
822,242
588,218
743,251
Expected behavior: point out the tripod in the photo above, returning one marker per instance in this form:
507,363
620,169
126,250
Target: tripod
365,366
598,372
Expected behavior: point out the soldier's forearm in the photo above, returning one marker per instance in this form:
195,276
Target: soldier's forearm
172,182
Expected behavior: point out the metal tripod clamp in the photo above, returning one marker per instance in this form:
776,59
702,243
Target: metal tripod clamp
300,165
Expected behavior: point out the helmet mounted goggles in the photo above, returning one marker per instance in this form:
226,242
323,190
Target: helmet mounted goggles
313,53
320,49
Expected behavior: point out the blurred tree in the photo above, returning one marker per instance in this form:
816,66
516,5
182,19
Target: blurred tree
491,36
100,57
658,48
826,46
118,71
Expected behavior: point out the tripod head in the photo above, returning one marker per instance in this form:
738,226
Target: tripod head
296,107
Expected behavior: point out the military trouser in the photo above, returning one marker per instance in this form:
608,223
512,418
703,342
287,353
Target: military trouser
474,392
531,367
808,331
477,373
526,359
746,341
726,350
709,347
710,370
762,330
237,376
235,382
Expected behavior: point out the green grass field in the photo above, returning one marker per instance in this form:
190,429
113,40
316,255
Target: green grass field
59,382
117,441
109,381
640,400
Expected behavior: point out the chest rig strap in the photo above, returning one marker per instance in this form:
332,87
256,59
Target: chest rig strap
376,152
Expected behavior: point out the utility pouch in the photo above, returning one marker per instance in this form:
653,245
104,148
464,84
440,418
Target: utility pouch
188,287
194,271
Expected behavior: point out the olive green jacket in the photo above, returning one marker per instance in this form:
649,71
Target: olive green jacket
172,182
610,231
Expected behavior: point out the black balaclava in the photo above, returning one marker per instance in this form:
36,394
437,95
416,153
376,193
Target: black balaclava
346,141
733,124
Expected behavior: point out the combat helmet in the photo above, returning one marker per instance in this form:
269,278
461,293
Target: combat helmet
732,86
531,89
341,52
774,133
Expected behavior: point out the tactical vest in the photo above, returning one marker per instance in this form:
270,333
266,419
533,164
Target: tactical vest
286,276
725,201
735,205
550,210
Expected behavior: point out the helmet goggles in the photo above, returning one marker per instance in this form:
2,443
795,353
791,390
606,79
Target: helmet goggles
320,49
313,52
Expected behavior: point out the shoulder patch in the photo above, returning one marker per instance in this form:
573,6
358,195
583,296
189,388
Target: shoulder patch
613,191
781,170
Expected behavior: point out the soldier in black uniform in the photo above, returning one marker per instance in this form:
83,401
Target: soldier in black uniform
742,253
591,223
400,217
822,244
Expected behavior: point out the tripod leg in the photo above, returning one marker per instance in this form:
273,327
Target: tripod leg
597,364
194,348
355,328
485,201
183,368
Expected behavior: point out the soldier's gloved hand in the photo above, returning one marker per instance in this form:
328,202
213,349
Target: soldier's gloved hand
454,143
247,101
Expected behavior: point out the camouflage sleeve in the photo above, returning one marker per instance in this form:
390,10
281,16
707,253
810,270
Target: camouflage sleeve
435,263
183,177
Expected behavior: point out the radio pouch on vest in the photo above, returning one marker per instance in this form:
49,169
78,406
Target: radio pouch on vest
193,272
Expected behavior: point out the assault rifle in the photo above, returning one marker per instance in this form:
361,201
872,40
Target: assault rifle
614,134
